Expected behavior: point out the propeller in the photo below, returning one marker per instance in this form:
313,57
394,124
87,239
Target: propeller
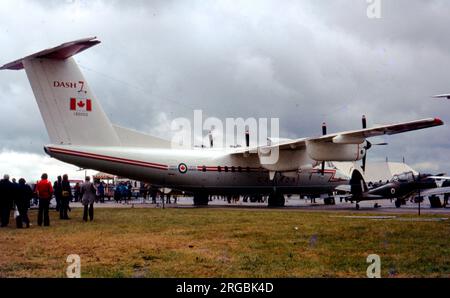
368,144
324,132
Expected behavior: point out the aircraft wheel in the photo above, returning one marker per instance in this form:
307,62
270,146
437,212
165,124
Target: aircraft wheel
357,206
200,199
398,203
276,200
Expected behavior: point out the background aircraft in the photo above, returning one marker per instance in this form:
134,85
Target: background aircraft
81,134
400,187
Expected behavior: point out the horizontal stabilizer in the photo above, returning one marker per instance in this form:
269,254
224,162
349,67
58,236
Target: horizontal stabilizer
60,52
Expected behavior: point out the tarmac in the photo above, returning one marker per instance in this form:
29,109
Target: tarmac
292,204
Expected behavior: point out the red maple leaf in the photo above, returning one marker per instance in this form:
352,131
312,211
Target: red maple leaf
80,103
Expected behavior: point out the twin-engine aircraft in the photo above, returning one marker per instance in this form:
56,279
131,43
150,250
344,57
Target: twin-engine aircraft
81,134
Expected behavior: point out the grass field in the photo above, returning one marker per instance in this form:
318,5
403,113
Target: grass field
213,242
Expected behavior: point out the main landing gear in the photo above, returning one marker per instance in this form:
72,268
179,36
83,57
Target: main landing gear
357,206
276,200
200,199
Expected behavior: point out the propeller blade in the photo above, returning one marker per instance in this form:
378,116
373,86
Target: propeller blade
368,144
363,166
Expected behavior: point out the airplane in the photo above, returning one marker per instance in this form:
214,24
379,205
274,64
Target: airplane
400,187
81,134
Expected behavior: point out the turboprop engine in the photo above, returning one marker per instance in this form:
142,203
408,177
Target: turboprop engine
335,151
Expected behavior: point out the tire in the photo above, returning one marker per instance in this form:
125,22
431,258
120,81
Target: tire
398,204
276,200
201,199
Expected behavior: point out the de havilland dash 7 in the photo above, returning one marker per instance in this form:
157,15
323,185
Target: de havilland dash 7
81,134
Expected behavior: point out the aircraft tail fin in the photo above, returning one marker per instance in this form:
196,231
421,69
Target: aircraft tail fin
71,113
358,185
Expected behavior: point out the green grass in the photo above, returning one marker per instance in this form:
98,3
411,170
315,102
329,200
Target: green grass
225,243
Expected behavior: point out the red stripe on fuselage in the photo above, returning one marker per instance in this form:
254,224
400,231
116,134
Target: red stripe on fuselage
109,158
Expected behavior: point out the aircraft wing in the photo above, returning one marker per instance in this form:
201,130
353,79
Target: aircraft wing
379,130
447,96
435,191
343,188
440,177
351,137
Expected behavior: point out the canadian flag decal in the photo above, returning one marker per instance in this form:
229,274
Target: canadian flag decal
81,105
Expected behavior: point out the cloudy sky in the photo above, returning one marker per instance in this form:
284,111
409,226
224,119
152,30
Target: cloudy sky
301,61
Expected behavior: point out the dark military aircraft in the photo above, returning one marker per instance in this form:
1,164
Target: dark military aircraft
400,187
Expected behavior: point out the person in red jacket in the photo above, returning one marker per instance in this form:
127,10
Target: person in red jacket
44,191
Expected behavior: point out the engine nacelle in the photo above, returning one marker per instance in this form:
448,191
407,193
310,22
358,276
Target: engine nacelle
322,151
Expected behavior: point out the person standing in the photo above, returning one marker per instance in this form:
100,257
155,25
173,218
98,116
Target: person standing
6,200
129,191
101,192
44,191
66,197
57,188
88,198
25,194
77,192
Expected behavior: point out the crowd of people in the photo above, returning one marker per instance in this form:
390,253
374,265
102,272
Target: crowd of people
17,197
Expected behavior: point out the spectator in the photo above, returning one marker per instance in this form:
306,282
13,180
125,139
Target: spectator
143,191
117,193
25,194
57,187
66,197
6,201
88,198
101,192
77,192
44,191
129,191
123,192
15,196
153,194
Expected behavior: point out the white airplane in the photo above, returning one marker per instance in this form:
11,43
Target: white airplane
81,134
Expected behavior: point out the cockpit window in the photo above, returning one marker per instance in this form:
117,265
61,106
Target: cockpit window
403,177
